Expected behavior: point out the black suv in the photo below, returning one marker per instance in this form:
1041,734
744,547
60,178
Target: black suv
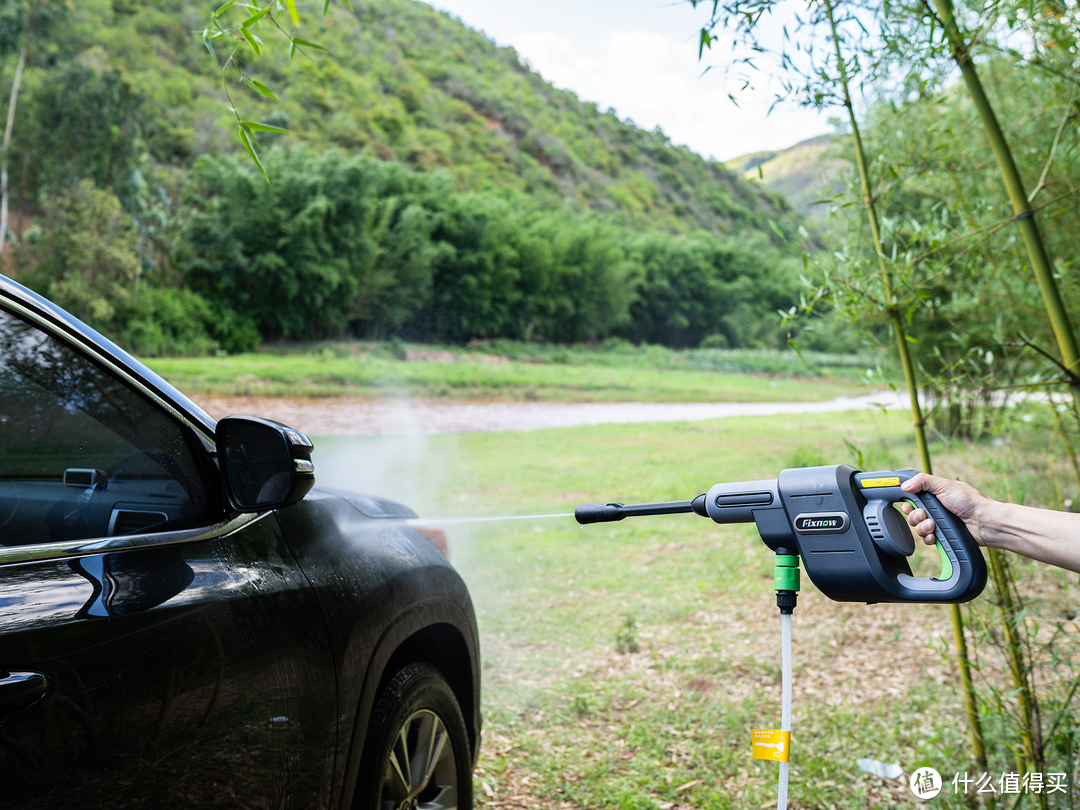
186,621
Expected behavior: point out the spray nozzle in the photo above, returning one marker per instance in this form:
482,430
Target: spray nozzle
608,512
598,513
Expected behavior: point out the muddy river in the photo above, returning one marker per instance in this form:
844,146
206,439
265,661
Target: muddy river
426,417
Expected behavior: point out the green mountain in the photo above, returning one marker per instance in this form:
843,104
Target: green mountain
803,174
405,82
430,186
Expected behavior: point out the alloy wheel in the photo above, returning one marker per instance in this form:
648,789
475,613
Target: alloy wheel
421,773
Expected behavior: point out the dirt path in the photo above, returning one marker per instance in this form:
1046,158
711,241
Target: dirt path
384,417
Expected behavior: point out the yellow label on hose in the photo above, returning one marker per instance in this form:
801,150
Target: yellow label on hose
880,482
769,743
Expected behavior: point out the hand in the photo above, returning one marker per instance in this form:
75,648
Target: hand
963,500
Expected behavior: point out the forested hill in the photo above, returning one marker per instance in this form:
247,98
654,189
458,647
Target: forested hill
405,82
431,186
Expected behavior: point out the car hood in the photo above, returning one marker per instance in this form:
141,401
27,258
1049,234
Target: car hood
367,505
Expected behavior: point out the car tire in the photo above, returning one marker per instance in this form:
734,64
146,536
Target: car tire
416,756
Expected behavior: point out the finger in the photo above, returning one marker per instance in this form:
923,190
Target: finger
926,528
917,516
906,507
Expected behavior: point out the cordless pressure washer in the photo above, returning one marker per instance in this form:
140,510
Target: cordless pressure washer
852,540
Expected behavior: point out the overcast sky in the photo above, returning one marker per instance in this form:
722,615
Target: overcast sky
640,57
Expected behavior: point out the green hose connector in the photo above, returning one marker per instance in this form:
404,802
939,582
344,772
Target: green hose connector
786,581
786,572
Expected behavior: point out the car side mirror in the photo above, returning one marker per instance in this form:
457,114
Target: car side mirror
265,465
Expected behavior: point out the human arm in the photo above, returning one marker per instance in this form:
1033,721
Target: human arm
1041,534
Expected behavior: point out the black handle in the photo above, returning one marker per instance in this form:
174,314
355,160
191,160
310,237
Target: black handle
963,574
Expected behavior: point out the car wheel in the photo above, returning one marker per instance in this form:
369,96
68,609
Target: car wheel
417,752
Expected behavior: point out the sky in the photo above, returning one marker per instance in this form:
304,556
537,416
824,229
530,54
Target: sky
640,57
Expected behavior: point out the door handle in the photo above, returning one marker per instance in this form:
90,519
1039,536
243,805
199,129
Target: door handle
21,689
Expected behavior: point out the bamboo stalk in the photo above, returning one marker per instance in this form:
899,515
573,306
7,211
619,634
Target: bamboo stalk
971,705
1063,333
1031,755
1022,212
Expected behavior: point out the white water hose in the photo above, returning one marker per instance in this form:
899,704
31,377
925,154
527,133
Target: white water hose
785,701
786,580
770,743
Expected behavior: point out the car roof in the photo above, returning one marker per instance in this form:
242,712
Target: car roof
75,331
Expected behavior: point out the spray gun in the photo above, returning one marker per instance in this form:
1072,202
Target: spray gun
852,541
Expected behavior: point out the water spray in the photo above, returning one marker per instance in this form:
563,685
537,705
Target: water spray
852,541
425,521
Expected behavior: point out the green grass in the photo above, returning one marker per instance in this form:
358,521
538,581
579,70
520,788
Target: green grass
613,372
575,717
569,718
572,721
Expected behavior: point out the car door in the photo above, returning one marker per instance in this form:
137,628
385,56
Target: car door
155,650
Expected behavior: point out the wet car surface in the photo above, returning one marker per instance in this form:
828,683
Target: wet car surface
184,624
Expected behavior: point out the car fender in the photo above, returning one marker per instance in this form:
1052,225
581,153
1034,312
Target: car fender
393,650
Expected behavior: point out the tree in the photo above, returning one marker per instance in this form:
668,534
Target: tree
20,23
85,124
86,261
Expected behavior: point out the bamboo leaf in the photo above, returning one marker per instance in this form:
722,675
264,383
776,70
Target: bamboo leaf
325,7
260,88
206,42
299,41
292,50
245,138
705,41
348,5
291,6
251,40
254,125
254,18
223,7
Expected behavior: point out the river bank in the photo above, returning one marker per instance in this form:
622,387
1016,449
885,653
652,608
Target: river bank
524,372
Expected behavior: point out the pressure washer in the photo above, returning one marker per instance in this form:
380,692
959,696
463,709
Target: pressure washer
852,540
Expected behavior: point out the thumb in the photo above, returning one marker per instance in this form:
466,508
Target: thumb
917,483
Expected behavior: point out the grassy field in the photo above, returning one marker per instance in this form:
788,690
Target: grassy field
611,372
624,664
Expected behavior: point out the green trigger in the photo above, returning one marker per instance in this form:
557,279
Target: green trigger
946,563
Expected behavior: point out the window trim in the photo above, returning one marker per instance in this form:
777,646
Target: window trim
73,549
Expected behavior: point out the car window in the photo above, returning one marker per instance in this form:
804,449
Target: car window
81,453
